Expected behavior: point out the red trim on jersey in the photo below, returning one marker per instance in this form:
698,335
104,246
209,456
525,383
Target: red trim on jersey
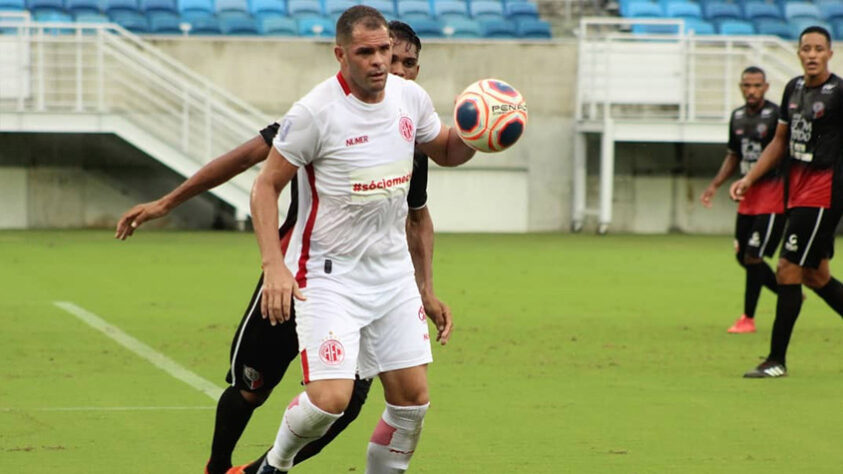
809,187
285,241
301,275
763,197
305,369
343,84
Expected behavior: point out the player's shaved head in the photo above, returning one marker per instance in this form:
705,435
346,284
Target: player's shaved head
368,17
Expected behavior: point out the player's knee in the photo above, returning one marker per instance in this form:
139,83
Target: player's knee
750,260
256,398
814,279
329,401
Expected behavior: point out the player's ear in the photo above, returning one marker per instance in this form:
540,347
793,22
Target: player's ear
339,53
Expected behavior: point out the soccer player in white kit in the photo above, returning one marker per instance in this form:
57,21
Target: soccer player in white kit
351,141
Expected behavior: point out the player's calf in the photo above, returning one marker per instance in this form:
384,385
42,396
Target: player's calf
302,423
395,439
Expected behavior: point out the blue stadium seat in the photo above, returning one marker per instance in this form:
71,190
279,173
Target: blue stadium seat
681,9
12,5
333,7
386,7
699,27
758,10
461,28
498,28
87,17
147,6
447,9
831,11
193,9
164,22
486,10
533,28
277,26
54,16
655,29
520,10
131,20
799,24
36,6
261,9
409,10
801,11
77,7
238,25
231,6
773,28
721,11
207,25
735,27
837,29
113,6
304,8
316,26
427,27
638,9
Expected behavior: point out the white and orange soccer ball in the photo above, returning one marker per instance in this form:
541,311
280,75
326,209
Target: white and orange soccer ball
490,115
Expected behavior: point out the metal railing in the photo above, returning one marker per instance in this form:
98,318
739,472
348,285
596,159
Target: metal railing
627,72
104,69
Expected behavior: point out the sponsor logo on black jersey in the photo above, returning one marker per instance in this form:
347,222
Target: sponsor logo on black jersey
828,89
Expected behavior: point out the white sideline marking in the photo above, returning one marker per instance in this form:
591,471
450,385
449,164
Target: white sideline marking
156,358
5,410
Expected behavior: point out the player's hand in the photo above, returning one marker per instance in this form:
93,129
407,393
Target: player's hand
706,196
134,217
738,189
440,314
279,288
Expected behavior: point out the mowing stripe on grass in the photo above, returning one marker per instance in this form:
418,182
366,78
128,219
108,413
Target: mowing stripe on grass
5,410
156,358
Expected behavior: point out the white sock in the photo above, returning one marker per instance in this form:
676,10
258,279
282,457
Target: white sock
395,439
302,423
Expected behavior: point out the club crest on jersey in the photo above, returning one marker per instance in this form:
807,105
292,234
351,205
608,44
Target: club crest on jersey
332,352
755,240
762,129
405,126
791,245
819,109
252,377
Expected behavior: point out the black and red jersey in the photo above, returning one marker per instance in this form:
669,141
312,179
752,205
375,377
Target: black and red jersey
814,116
750,131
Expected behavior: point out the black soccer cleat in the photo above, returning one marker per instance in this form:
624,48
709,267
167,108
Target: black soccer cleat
768,369
265,468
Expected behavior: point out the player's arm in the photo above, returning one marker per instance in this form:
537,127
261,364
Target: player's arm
214,173
420,242
279,286
769,159
447,149
730,164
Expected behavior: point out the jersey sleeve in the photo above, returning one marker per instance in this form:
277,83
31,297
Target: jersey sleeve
268,133
429,124
298,136
784,109
734,144
417,196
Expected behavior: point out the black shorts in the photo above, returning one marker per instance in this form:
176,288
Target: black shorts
261,352
758,236
809,237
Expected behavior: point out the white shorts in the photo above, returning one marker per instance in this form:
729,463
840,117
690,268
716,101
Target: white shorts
342,333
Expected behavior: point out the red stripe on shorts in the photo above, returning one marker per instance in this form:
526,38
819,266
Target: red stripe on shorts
301,275
304,367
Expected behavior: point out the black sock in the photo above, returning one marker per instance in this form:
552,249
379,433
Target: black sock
752,289
233,413
787,310
358,398
832,294
768,277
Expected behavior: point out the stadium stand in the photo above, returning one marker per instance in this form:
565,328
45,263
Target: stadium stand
497,28
456,27
409,10
427,27
163,22
277,26
79,7
486,10
316,26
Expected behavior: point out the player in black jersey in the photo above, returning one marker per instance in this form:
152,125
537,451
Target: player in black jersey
760,221
810,135
260,352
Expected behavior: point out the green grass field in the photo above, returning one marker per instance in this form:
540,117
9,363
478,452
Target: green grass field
572,353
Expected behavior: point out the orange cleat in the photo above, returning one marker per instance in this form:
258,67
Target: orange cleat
743,325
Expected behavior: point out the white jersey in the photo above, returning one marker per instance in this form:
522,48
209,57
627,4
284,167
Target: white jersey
355,162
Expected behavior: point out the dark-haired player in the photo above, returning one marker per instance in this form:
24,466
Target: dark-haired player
760,220
261,352
810,135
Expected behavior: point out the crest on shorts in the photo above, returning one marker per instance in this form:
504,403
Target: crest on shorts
755,240
331,352
791,245
819,109
405,126
252,377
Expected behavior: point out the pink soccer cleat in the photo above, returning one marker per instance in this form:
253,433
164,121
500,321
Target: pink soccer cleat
743,325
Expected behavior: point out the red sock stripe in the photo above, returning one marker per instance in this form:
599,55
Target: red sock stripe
301,275
383,433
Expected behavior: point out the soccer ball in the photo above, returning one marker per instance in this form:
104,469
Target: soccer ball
490,115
